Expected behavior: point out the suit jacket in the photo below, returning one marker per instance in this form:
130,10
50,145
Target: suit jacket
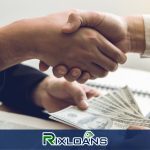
16,86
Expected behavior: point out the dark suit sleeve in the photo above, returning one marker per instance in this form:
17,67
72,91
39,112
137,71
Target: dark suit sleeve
18,83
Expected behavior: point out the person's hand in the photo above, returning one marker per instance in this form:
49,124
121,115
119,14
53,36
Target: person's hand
137,128
127,33
42,38
85,49
82,49
55,94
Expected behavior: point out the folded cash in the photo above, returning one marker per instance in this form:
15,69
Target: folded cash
115,110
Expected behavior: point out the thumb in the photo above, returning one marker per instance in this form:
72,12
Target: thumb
79,19
78,94
73,23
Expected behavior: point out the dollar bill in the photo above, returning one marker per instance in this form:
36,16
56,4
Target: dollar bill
115,110
128,94
102,103
86,120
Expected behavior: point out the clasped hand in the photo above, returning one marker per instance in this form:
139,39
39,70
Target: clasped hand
87,45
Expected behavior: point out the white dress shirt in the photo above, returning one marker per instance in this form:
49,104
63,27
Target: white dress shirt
147,36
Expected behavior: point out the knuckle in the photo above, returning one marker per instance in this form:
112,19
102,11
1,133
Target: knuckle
75,72
117,56
56,74
61,70
73,12
81,81
90,35
103,74
93,38
113,66
68,78
84,78
120,57
93,77
124,60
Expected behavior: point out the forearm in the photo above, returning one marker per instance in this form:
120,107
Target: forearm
136,33
18,87
13,46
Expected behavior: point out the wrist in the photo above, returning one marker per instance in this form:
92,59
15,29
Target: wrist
13,45
40,36
39,91
136,33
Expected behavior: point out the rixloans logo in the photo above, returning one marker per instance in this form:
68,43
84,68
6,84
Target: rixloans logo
89,138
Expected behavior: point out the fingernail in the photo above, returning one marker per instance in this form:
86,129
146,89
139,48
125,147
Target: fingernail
124,59
84,104
61,71
75,73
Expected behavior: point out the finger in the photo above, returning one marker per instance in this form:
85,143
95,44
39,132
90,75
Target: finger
55,106
43,66
78,94
93,69
84,77
60,71
73,74
97,71
73,23
91,92
110,50
93,77
105,62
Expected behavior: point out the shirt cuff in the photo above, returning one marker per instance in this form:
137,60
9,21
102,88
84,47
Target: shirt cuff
146,53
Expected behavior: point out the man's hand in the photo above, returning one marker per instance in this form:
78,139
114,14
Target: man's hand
137,128
55,94
113,27
42,38
127,33
85,49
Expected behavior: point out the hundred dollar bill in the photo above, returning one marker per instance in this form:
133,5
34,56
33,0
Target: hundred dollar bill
128,121
129,96
125,103
132,122
86,120
100,103
113,103
115,110
115,99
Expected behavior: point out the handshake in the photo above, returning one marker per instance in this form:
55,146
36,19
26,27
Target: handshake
79,45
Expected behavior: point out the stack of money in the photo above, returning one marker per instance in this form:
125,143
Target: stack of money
115,110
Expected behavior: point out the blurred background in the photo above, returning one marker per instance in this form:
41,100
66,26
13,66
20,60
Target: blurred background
11,10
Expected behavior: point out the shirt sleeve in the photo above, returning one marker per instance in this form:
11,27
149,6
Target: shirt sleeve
147,35
20,81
